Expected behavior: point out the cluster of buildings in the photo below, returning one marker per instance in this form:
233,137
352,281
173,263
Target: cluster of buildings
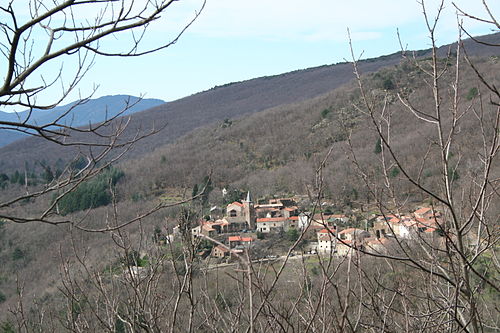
242,221
422,223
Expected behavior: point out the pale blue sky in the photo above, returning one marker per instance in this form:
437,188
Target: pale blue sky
235,40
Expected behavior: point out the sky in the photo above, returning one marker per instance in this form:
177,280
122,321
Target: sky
236,40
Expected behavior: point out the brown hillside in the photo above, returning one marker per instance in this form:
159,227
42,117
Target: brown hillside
224,102
278,150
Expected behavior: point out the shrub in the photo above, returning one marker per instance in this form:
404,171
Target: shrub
453,174
378,147
7,327
325,113
394,172
18,254
472,93
388,84
292,235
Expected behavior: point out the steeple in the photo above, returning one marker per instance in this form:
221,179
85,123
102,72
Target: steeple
249,212
248,197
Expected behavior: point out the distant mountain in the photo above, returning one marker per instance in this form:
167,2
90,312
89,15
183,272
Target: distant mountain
229,101
90,112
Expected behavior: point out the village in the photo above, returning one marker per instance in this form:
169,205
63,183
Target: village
245,225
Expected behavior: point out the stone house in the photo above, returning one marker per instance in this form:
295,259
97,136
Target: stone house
220,251
327,240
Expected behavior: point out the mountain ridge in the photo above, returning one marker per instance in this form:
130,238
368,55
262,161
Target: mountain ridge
77,113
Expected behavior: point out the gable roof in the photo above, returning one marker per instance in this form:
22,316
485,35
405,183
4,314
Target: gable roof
240,239
272,219
349,230
222,248
326,231
423,210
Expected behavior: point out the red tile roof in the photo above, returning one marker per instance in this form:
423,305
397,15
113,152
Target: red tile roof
240,239
236,203
222,248
422,210
326,231
348,230
271,219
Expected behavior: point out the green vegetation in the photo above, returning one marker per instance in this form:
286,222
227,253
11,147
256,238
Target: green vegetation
3,180
226,123
325,113
385,79
91,194
233,194
292,235
18,254
134,259
472,93
378,146
16,178
7,327
394,172
453,174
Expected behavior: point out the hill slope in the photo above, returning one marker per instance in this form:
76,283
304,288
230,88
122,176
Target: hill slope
227,102
278,150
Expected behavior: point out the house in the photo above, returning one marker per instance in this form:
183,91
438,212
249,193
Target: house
338,218
426,213
345,248
393,226
327,240
277,224
241,215
238,241
283,207
353,234
271,224
322,221
303,220
376,245
209,228
406,227
350,240
220,251
292,223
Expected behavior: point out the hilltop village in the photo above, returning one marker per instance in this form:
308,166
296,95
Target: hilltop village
245,225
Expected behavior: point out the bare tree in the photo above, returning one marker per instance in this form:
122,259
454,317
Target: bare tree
439,282
461,266
37,40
